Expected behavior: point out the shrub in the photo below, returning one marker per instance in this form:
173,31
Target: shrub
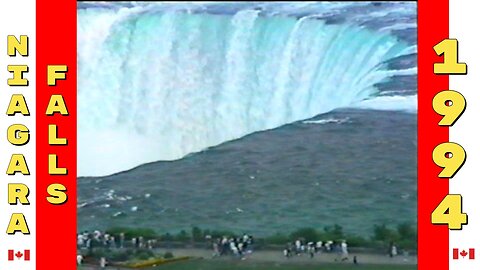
167,237
144,254
119,255
197,234
219,234
406,231
308,234
168,255
132,232
383,233
277,239
358,241
182,236
333,233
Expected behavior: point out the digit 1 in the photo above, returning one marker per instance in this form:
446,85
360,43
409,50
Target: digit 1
450,65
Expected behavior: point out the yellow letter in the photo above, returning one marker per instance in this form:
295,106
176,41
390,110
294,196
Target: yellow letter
18,164
53,75
53,166
53,136
17,105
15,46
57,104
57,194
18,192
17,71
17,224
18,134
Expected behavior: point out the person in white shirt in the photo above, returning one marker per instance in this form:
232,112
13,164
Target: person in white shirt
394,251
298,246
103,262
79,259
344,250
318,246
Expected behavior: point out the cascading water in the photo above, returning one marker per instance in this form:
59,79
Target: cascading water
158,85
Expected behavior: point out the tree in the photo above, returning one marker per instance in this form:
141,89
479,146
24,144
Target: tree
197,234
407,232
182,236
383,233
334,233
308,234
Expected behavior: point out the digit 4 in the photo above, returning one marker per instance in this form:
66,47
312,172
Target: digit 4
449,212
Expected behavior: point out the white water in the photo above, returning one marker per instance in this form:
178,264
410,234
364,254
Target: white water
160,85
390,103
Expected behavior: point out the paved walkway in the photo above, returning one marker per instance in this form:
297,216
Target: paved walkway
277,257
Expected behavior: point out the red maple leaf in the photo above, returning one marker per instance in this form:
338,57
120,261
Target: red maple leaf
463,253
20,254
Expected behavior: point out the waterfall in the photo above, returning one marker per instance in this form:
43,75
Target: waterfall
160,85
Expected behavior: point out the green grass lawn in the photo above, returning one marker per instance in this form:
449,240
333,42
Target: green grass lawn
219,265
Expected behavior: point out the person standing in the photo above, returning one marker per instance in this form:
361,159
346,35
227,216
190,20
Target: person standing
298,246
318,246
79,259
311,249
393,251
103,263
344,250
286,251
122,239
216,251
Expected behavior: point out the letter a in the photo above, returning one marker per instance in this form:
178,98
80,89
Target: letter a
18,164
18,224
17,105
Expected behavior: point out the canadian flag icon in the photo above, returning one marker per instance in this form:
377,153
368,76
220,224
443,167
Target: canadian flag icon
463,253
25,255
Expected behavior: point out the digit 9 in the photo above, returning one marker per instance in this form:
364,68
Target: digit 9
451,105
451,157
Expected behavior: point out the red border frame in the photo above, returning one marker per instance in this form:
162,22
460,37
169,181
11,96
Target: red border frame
433,245
56,44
